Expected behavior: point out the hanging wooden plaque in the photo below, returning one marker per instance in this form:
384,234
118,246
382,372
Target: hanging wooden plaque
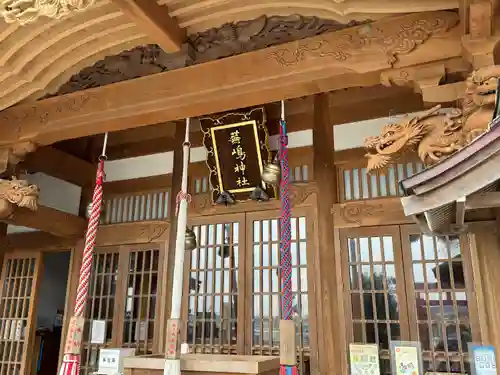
237,146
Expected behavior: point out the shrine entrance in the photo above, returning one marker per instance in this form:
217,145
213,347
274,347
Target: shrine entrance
232,290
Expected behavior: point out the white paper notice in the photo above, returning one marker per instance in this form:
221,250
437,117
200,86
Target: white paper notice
98,332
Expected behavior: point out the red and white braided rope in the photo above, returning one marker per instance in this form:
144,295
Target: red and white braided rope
83,283
180,197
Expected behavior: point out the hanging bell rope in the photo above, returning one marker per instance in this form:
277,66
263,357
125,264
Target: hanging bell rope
287,325
71,360
184,241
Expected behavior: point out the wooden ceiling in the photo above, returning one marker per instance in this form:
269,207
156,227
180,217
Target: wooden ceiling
199,15
38,58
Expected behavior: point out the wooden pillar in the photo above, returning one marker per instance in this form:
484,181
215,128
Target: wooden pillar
330,317
168,259
485,255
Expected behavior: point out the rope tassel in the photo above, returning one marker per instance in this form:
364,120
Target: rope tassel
71,360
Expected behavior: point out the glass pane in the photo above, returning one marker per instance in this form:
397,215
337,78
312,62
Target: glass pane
213,296
100,306
440,302
372,287
266,307
140,303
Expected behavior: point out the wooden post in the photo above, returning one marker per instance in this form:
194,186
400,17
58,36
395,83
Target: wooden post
3,245
330,320
485,254
168,259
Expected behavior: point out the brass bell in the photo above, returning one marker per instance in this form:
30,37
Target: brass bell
88,210
272,173
259,195
225,198
190,240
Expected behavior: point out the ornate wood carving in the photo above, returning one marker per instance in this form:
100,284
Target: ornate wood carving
12,155
213,89
28,11
132,233
17,193
401,40
381,211
228,40
300,194
434,135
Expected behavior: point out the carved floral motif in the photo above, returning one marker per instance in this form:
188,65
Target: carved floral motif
201,204
435,135
228,40
356,212
28,11
392,42
17,193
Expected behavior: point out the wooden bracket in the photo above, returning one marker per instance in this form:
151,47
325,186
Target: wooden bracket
426,80
12,155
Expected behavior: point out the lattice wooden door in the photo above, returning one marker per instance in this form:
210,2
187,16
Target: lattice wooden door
263,312
20,277
101,301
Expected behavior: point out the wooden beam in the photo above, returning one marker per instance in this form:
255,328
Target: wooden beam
483,200
460,212
49,220
156,22
370,212
38,241
56,163
481,19
350,105
309,66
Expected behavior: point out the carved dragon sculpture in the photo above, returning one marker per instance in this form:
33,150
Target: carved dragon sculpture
434,135
28,11
17,193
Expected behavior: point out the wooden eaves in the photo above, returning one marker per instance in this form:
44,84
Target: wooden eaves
441,198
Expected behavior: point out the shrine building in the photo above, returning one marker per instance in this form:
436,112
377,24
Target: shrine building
370,128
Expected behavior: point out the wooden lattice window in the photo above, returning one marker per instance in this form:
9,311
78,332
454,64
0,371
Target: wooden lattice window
140,310
402,285
375,288
123,208
231,290
438,301
123,293
299,173
214,289
357,184
100,305
201,185
20,275
266,288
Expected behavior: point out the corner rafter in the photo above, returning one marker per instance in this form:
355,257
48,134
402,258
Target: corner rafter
156,22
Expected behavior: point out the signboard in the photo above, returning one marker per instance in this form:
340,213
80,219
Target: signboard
482,359
237,150
364,359
406,358
98,332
